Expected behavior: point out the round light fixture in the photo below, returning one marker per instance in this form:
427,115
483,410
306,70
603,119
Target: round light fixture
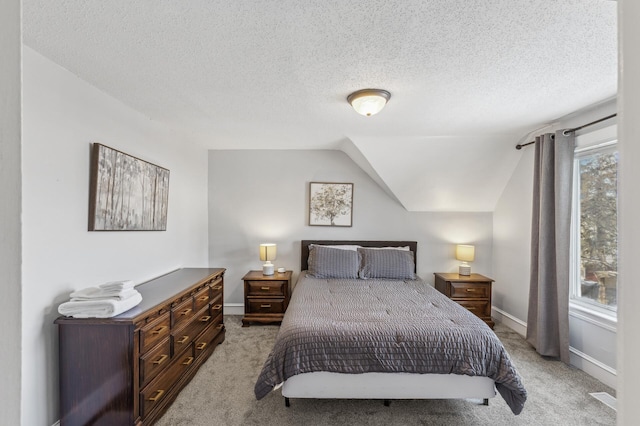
368,101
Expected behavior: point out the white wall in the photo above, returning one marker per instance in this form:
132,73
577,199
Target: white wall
511,240
629,314
61,116
10,232
262,196
592,340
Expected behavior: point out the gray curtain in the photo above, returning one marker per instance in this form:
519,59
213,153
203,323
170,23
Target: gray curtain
548,317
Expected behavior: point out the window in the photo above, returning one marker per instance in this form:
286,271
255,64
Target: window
595,228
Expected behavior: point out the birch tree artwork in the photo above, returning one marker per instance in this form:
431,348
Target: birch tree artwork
126,194
330,204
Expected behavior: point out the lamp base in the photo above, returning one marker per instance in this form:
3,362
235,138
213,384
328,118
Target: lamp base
267,269
464,270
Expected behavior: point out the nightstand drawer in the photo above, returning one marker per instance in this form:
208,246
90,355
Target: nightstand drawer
266,306
480,308
470,290
266,288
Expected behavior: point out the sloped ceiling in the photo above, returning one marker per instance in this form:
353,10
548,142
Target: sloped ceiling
468,78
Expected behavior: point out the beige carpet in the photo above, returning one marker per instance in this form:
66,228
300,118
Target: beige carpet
222,394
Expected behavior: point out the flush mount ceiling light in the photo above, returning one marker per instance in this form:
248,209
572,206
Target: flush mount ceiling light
368,101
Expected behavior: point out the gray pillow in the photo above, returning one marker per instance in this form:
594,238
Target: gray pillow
326,262
391,264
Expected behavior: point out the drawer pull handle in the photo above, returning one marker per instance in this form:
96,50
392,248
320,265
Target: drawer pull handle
473,290
187,361
157,396
216,307
265,306
203,298
185,312
265,288
218,287
159,330
161,359
219,327
183,339
201,346
205,318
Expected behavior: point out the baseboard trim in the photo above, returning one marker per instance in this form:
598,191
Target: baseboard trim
593,367
510,321
578,359
234,309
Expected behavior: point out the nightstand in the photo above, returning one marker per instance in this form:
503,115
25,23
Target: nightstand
266,297
470,291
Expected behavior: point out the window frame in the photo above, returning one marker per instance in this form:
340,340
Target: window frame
583,305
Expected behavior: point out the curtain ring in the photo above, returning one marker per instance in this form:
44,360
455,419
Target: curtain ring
566,132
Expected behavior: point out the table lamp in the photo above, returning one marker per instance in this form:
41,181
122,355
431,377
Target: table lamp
465,253
267,254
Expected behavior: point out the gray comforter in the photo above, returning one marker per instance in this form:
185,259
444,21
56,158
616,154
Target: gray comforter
361,326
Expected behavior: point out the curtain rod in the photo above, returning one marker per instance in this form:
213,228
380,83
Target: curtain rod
575,129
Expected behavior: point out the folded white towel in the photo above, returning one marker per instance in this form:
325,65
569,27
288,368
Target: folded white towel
95,293
105,308
117,285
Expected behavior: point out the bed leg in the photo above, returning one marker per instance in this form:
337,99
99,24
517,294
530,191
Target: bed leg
485,401
287,403
387,403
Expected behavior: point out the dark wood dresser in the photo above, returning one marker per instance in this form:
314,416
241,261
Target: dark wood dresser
471,291
127,370
266,297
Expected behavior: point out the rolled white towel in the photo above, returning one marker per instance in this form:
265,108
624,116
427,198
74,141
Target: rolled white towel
95,293
117,285
105,308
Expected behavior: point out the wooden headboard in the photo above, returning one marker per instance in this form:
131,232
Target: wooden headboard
304,254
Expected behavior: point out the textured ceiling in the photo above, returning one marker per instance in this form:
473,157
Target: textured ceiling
275,74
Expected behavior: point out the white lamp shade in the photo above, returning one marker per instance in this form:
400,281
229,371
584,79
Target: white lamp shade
368,101
465,253
268,252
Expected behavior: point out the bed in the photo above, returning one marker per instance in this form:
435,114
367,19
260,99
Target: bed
380,332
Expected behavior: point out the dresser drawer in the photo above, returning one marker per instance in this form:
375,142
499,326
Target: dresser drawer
154,332
154,393
182,313
183,336
203,341
216,288
470,290
216,309
481,308
266,288
202,298
154,361
266,306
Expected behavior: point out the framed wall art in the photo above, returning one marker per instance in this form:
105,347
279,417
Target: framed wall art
330,204
126,193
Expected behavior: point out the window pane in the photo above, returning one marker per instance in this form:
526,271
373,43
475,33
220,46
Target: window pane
599,228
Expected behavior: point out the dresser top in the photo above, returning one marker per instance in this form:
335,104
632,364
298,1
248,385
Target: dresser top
157,291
